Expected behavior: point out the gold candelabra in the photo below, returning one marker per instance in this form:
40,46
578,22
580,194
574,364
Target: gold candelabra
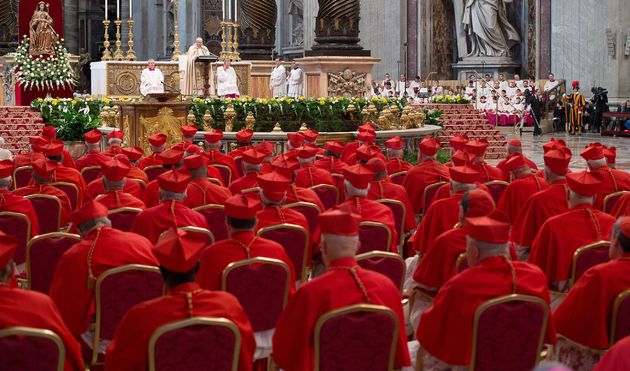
131,54
236,56
175,56
229,41
118,55
207,121
229,116
223,54
107,55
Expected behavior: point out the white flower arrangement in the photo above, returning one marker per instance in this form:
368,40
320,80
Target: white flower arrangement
53,71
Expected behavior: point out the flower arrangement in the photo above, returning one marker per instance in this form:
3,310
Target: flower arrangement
71,117
451,99
52,71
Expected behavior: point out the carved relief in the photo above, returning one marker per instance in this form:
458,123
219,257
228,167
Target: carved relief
123,79
211,13
531,38
443,38
8,26
165,122
346,84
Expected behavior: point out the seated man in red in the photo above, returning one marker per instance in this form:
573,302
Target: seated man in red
35,153
14,202
513,147
458,143
395,163
366,135
113,180
201,191
93,157
308,175
178,253
617,358
524,184
286,166
188,133
114,142
213,173
170,159
171,211
252,163
585,314
544,204
54,151
344,284
427,172
22,308
157,143
97,186
244,141
613,180
611,156
488,173
134,154
214,144
101,248
42,175
330,161
559,237
49,133
446,329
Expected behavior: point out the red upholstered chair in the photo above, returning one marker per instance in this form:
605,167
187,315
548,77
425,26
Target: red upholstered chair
226,173
586,257
215,216
328,194
399,177
429,194
357,337
43,253
90,173
400,213
462,263
374,236
70,190
251,190
17,225
611,200
154,171
196,343
261,285
620,321
32,349
309,210
123,217
238,161
338,179
48,211
117,290
496,188
140,182
205,232
216,181
508,333
21,176
295,241
387,263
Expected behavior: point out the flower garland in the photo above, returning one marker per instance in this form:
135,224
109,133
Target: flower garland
450,99
50,71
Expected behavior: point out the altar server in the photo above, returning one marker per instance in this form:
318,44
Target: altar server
227,83
151,79
278,80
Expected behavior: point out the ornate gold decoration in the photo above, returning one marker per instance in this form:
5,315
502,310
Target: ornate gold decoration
165,122
346,84
107,55
394,115
224,31
123,79
127,131
236,56
277,128
229,116
207,121
118,55
104,116
372,112
384,120
250,120
175,56
303,128
115,116
190,119
131,54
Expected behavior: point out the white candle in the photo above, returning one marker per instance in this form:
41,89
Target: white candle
235,11
130,9
230,10
223,8
117,9
105,9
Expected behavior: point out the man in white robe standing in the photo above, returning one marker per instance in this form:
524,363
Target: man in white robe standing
151,79
278,80
227,84
295,81
190,75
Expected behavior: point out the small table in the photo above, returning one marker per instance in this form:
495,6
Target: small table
207,61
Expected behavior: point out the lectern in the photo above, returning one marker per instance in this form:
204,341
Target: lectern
207,61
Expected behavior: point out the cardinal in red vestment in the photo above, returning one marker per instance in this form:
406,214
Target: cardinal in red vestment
308,175
116,165
35,153
330,161
514,146
200,190
54,151
616,358
115,173
178,253
188,133
344,284
157,143
50,134
134,154
395,163
365,136
93,157
14,202
488,173
251,165
214,144
114,142
244,141
613,180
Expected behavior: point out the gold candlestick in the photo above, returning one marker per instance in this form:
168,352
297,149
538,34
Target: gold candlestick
230,44
222,56
118,55
107,55
131,54
175,56
236,55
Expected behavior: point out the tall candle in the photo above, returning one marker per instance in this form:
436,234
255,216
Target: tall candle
223,8
117,9
130,9
230,10
235,11
105,9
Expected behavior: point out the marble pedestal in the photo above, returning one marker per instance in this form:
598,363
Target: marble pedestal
483,65
337,76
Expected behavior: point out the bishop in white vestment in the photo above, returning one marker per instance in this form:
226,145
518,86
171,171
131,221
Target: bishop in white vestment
278,80
227,84
151,80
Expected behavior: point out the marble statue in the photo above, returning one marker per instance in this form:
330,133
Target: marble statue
43,36
296,11
483,29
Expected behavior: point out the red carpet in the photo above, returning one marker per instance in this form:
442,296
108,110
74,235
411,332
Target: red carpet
16,125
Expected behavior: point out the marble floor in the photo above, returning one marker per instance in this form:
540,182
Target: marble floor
532,147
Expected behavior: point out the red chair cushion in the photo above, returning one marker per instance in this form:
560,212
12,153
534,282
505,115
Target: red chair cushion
22,177
216,223
590,258
356,341
238,161
398,179
19,353
71,192
18,228
153,173
225,174
397,210
195,348
294,243
328,196
610,204
390,267
310,213
123,220
496,190
430,195
90,175
45,255
623,320
373,238
47,211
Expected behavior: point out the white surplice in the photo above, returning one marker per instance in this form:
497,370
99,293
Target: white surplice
151,81
226,81
295,82
278,82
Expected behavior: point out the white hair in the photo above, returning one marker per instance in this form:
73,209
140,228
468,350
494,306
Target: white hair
461,187
5,182
578,199
340,246
424,157
267,201
487,249
309,160
594,164
393,153
87,226
522,170
216,145
514,149
93,146
551,176
168,195
109,184
352,191
250,168
157,149
114,141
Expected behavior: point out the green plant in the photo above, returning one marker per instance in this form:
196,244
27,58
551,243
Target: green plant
71,117
52,71
443,155
411,157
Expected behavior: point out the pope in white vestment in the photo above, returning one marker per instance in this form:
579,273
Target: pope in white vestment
190,75
295,81
278,80
227,84
151,80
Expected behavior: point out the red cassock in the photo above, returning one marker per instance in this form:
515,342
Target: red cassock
242,245
445,190
151,194
102,249
116,199
488,172
438,265
349,150
446,328
202,192
150,160
218,158
67,160
70,175
293,340
32,309
352,159
538,208
442,215
309,175
516,194
45,189
151,222
622,207
93,158
113,150
396,165
129,349
506,172
385,189
613,180
331,164
249,180
27,159
96,188
137,173
617,358
19,204
238,152
213,172
372,211
419,177
584,315
299,194
275,215
559,237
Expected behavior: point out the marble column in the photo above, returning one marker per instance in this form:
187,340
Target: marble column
544,38
412,38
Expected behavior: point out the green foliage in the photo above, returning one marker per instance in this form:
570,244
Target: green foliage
443,155
71,117
52,71
411,157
